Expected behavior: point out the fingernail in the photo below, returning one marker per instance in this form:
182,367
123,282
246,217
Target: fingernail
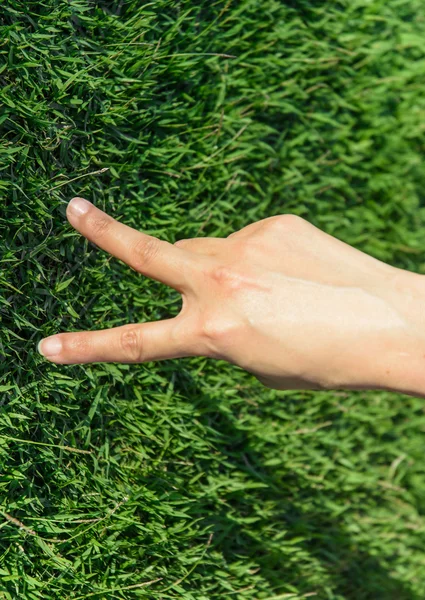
78,207
50,346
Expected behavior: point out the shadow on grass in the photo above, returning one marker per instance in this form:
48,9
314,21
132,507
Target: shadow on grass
348,566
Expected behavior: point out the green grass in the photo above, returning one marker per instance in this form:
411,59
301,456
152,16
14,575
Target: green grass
187,479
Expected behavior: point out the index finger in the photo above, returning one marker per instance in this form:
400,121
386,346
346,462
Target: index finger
154,258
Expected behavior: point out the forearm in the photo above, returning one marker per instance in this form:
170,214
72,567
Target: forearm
395,360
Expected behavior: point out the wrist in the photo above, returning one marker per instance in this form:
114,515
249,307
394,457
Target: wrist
397,363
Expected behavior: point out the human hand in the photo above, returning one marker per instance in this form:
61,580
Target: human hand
280,298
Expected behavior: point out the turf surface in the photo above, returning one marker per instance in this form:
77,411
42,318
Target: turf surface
187,479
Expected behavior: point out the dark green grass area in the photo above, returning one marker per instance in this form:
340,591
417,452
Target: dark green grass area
188,479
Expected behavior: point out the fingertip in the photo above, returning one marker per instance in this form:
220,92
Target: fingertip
50,347
77,207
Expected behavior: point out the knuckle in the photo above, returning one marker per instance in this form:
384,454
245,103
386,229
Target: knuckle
229,279
182,243
286,223
250,248
220,273
130,344
144,251
224,275
220,333
213,329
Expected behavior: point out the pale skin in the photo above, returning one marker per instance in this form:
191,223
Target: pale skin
280,298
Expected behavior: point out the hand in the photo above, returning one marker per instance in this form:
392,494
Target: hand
294,306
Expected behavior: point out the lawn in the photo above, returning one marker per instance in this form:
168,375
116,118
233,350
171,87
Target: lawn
187,479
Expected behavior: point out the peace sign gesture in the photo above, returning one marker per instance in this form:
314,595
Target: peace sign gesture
280,298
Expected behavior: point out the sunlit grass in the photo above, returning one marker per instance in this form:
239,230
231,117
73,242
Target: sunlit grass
187,479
